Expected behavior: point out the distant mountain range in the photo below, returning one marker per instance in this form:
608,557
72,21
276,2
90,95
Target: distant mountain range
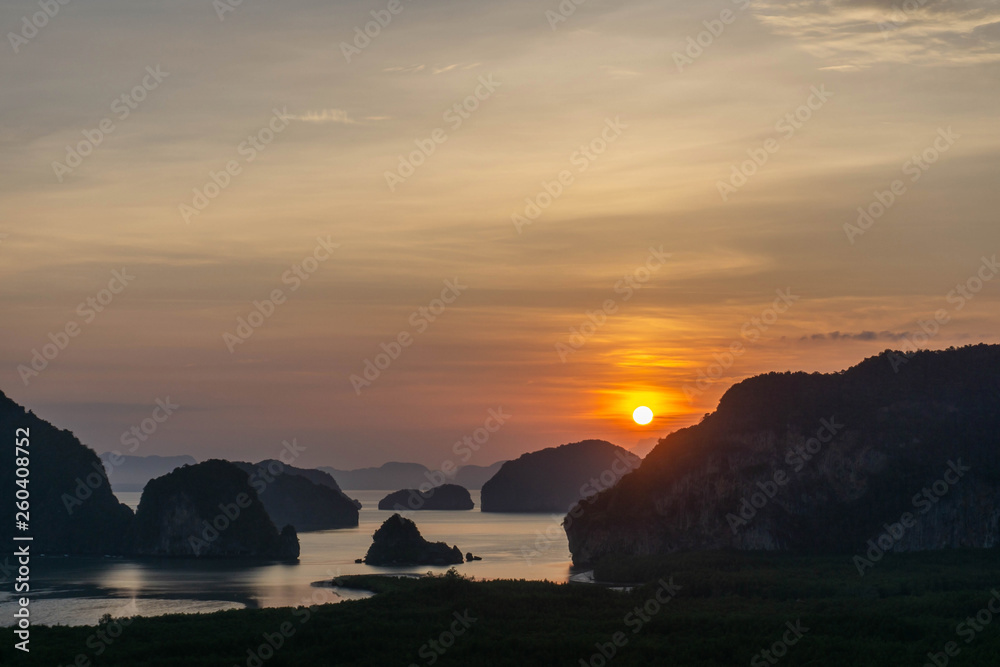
393,476
131,473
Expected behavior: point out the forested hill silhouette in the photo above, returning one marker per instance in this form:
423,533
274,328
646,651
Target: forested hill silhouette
71,507
820,462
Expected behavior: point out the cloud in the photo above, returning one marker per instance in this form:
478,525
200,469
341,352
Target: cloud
620,72
326,116
405,70
458,66
863,32
862,335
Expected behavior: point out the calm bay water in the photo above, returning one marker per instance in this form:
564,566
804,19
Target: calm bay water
78,591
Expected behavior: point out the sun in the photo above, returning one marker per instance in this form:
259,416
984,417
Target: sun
642,415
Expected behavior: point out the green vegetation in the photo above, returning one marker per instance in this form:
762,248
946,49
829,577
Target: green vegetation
730,607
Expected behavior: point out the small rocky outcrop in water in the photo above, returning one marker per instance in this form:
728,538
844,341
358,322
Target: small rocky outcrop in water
554,479
398,542
444,497
820,463
209,510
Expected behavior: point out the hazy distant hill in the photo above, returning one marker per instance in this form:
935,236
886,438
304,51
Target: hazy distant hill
553,479
130,473
821,462
292,497
473,477
72,509
392,475
395,475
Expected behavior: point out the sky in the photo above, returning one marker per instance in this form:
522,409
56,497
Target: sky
554,211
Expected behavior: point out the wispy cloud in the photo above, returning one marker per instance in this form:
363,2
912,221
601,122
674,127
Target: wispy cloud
456,66
619,72
857,33
862,335
326,116
405,70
